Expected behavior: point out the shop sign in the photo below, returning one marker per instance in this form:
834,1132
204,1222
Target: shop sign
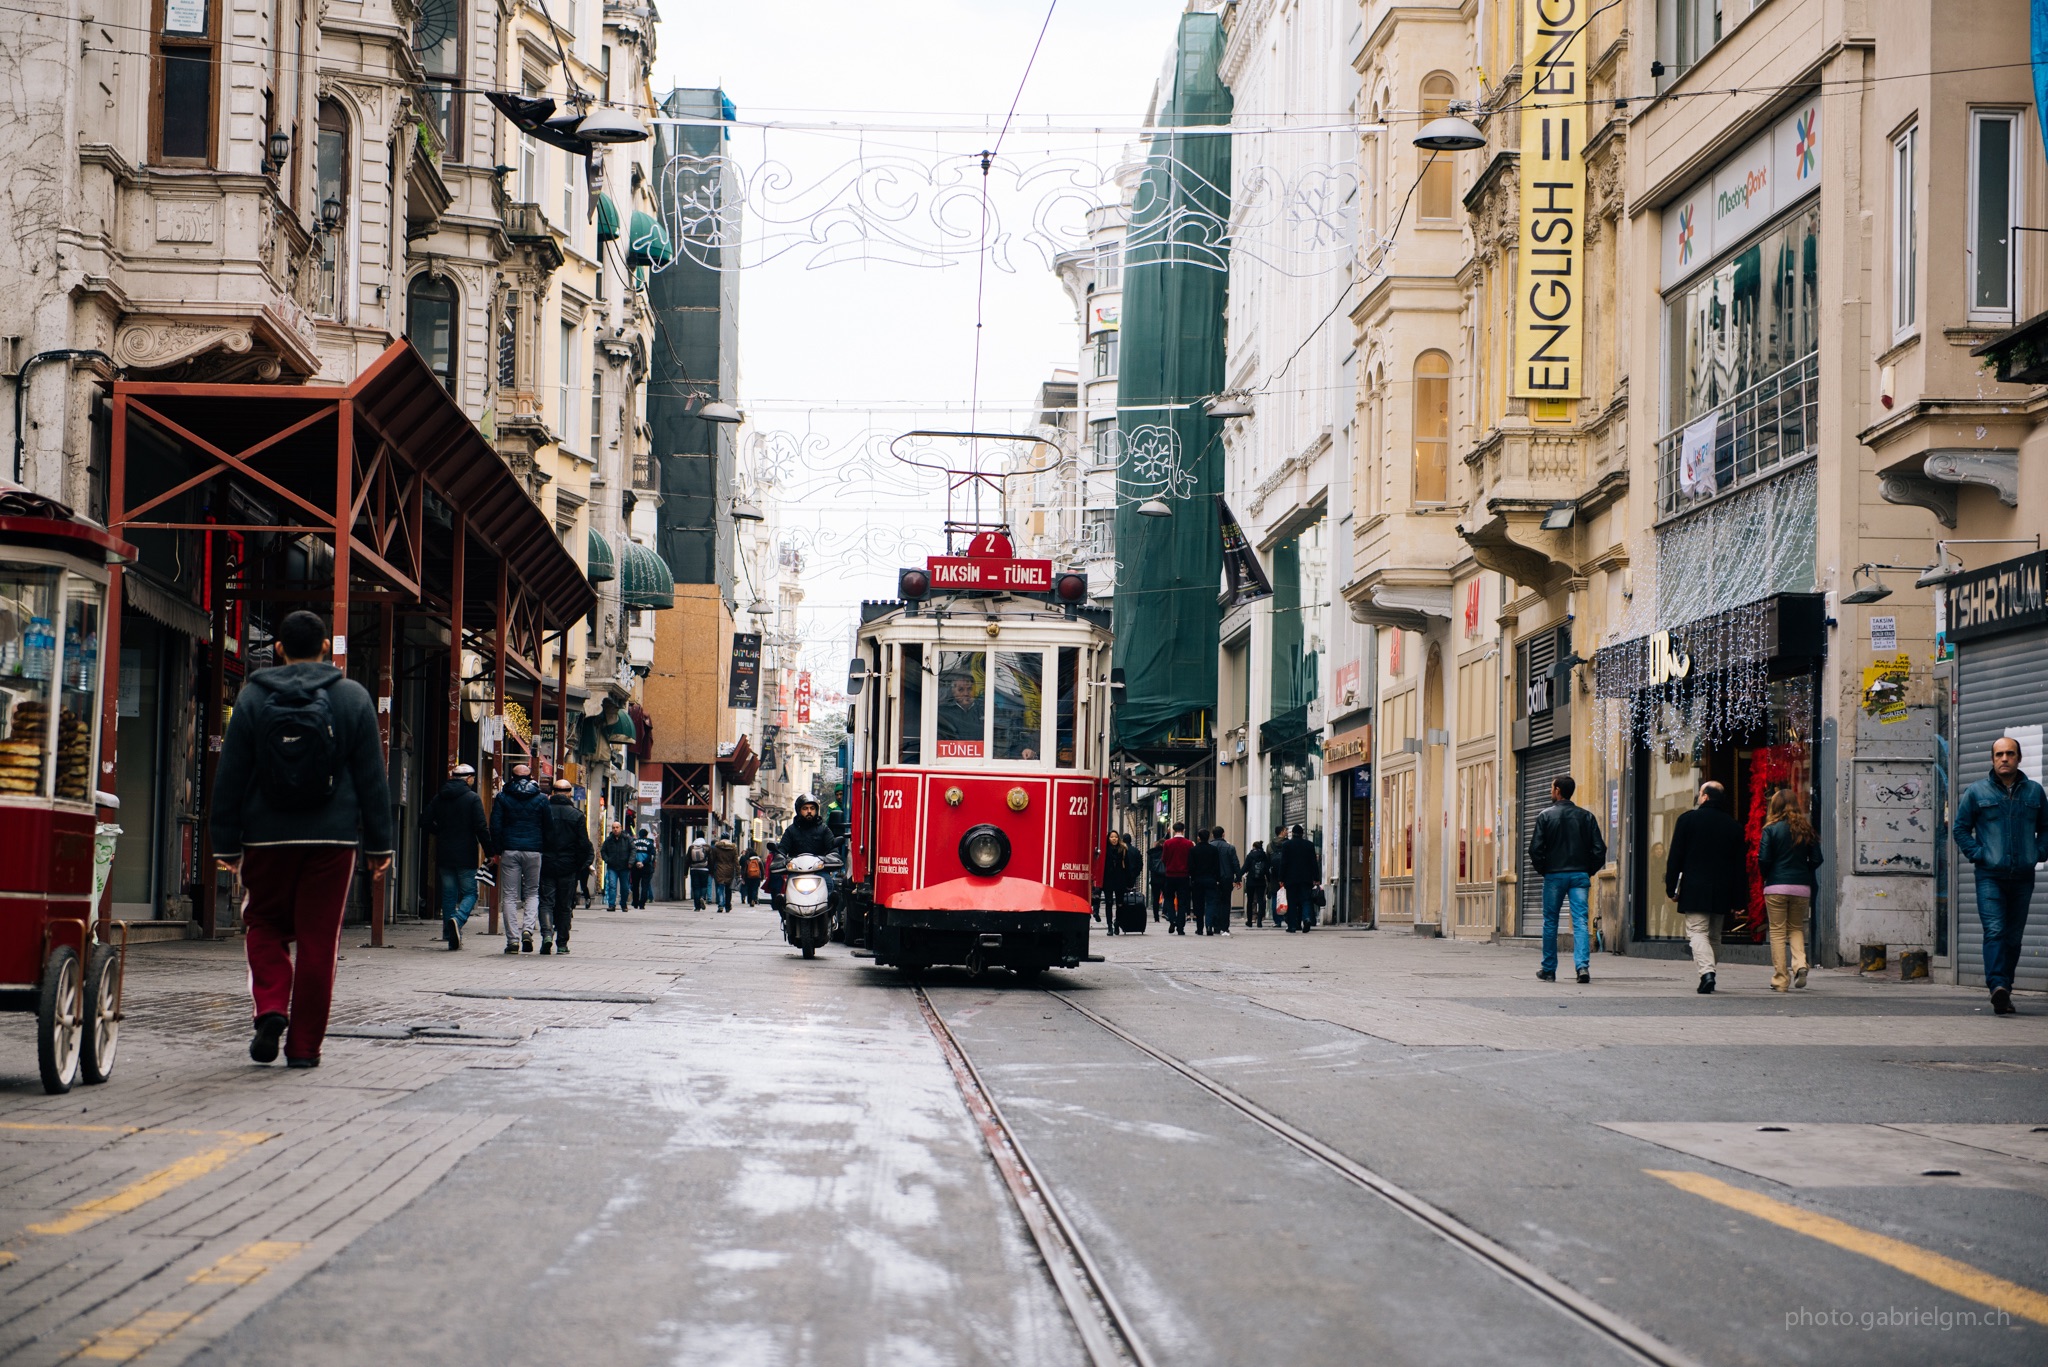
1548,306
1743,193
650,790
803,699
1347,749
1998,598
1540,695
1667,662
743,689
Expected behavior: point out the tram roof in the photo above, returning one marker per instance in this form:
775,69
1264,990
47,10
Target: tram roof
1020,609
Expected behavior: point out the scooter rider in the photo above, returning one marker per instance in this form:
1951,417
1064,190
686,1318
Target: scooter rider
809,834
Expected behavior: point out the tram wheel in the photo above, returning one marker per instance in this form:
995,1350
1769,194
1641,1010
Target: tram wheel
1028,973
102,1026
59,1021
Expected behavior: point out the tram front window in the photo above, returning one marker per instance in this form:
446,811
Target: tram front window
963,695
1020,711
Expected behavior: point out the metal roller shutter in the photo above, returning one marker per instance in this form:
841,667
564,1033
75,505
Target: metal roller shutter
1998,686
1541,766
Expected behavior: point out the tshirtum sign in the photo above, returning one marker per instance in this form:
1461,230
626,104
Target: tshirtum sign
1548,308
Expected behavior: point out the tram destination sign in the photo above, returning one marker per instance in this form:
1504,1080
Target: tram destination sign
1998,598
960,572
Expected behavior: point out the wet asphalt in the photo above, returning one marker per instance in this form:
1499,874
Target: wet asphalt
771,1165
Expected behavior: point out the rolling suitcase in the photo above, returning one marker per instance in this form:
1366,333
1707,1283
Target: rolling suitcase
1130,913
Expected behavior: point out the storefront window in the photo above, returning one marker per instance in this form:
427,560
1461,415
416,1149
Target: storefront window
963,699
1020,703
28,665
1752,315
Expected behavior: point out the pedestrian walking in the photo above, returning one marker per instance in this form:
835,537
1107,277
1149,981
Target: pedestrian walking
1202,874
1258,873
725,871
752,870
298,789
565,858
462,835
1566,848
1300,870
646,849
1706,871
1175,854
1228,872
1787,858
2001,827
617,856
1155,880
697,862
1120,866
519,832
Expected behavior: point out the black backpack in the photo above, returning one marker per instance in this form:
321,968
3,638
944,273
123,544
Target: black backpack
298,753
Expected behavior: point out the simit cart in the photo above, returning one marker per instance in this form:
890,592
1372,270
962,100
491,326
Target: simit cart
54,959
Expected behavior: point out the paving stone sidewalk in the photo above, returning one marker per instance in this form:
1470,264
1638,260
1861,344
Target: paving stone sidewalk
142,1219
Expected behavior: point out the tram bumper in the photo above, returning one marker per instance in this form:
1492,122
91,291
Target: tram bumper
920,937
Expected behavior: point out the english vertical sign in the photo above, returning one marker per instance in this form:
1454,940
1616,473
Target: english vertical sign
1549,303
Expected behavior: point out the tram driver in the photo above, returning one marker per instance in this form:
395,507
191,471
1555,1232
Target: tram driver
960,707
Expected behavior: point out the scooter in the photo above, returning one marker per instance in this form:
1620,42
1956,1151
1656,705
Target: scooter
807,901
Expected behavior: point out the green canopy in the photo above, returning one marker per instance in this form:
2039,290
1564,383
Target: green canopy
1176,266
647,244
644,577
603,565
607,218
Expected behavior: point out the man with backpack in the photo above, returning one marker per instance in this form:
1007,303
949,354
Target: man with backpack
519,833
564,859
644,847
455,818
752,870
300,786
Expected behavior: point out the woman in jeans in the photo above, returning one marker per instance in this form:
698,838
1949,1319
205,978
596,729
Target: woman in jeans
1787,855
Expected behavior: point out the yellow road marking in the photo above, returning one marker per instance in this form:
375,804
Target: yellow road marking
247,1264
6,1257
89,1213
131,1340
1933,1268
89,1129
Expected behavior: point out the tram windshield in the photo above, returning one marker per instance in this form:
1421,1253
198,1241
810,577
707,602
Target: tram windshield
1020,695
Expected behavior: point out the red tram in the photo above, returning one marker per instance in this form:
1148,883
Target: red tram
980,738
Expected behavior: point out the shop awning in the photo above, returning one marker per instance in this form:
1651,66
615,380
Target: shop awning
741,765
645,580
607,218
647,244
603,565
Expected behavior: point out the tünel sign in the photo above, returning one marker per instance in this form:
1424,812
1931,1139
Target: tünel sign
961,572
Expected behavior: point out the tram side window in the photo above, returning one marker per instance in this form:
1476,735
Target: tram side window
1020,703
963,699
1064,750
910,705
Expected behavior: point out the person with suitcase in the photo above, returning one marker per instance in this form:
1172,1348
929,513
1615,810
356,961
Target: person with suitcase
1120,869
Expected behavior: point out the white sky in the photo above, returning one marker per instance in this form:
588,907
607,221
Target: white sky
881,332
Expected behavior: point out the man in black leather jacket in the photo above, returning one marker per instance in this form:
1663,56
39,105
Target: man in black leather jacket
1567,849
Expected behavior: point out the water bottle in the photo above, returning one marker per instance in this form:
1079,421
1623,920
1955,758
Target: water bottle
38,645
88,661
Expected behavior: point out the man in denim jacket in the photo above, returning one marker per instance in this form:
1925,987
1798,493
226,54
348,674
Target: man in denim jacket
2001,827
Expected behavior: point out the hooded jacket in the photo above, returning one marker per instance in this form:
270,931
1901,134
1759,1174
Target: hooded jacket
725,862
359,812
2000,830
455,818
519,818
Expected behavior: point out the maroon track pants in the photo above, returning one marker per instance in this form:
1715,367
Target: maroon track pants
295,893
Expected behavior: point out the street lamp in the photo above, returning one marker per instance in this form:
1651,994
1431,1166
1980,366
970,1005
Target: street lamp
1154,507
1876,591
277,151
330,214
609,125
1450,134
1228,406
716,410
743,511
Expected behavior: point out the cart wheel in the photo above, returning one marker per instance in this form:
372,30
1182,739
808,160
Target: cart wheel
102,1033
59,1019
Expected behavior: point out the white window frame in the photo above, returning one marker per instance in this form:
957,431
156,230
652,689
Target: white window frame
1906,234
568,401
2008,310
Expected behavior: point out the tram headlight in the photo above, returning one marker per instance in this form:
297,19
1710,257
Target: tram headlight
984,850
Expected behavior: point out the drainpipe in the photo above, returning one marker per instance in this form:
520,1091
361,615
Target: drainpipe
21,393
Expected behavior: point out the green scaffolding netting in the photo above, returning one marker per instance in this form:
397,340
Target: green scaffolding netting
1166,609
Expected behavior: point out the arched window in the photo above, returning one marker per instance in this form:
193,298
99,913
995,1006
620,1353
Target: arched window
1432,427
331,208
430,323
437,39
1434,197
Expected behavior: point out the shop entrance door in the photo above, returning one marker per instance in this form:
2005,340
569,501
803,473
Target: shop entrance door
1541,766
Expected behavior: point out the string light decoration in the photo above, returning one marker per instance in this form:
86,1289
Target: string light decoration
1712,576
929,213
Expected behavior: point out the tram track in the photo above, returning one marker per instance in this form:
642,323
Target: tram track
1110,1336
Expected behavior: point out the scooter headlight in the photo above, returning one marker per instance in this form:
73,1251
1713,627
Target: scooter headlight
807,885
985,850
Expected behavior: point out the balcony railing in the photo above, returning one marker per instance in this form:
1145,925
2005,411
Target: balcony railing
1767,426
